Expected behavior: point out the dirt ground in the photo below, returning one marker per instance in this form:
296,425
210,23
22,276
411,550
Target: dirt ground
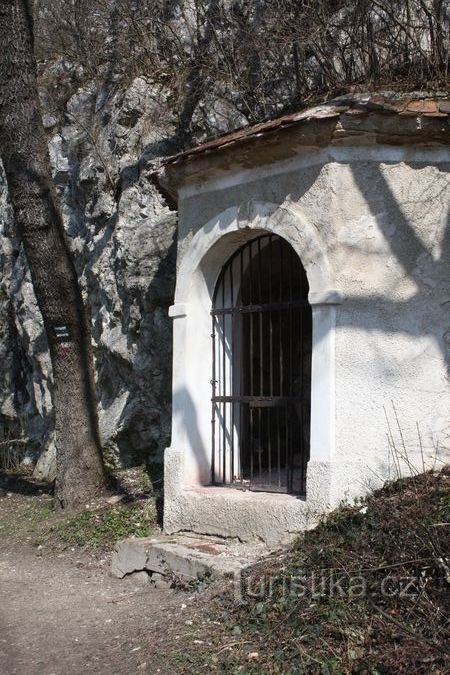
61,612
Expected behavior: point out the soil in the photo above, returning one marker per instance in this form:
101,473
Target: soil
61,612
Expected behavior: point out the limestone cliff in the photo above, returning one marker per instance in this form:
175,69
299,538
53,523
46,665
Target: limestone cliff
122,236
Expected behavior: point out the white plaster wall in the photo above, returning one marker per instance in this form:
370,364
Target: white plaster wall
392,365
378,223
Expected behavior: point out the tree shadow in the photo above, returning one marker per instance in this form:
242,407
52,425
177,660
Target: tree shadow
24,485
412,254
420,315
120,485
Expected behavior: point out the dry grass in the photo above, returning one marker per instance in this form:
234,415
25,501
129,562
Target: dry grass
28,514
365,592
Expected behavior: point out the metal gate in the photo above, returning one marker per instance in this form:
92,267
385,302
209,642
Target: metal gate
261,379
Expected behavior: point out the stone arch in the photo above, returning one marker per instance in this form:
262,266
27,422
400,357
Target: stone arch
213,244
202,259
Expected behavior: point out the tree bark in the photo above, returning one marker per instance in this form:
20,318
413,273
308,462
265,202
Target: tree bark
24,151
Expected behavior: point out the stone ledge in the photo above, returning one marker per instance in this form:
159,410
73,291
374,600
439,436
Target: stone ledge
178,310
184,556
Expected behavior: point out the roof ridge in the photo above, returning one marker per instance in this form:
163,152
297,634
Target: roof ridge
403,104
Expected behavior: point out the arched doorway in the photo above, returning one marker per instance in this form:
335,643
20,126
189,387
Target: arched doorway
261,369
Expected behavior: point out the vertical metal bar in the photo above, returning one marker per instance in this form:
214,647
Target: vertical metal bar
280,314
213,404
291,348
260,445
269,445
270,268
250,263
281,241
301,403
270,317
261,344
291,273
251,439
231,360
280,352
271,352
257,438
270,326
252,392
278,449
291,295
224,387
291,371
241,275
251,442
241,365
258,241
287,441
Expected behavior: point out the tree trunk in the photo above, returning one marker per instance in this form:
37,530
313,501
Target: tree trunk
24,151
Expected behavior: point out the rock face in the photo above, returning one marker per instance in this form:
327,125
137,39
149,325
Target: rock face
25,380
122,235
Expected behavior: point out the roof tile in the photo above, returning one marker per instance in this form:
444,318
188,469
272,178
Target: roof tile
402,105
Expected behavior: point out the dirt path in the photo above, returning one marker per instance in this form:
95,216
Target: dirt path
67,615
62,613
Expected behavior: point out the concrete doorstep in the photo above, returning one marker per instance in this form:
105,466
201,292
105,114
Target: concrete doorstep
184,556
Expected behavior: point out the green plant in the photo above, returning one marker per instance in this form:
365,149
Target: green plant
101,529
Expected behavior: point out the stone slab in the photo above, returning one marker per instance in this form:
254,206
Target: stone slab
184,556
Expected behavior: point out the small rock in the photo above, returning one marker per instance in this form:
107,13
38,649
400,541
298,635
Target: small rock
115,499
252,656
159,580
138,578
49,121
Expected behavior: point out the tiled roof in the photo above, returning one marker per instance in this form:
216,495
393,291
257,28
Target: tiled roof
402,105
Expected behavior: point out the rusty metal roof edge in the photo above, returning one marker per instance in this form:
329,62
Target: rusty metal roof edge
405,106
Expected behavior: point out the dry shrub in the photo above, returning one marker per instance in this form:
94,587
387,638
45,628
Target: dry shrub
390,553
258,57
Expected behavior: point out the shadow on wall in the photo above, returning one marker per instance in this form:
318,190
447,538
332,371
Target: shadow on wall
425,316
422,315
143,383
187,419
412,255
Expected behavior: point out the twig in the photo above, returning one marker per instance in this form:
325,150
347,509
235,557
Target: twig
408,631
233,644
14,441
420,446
